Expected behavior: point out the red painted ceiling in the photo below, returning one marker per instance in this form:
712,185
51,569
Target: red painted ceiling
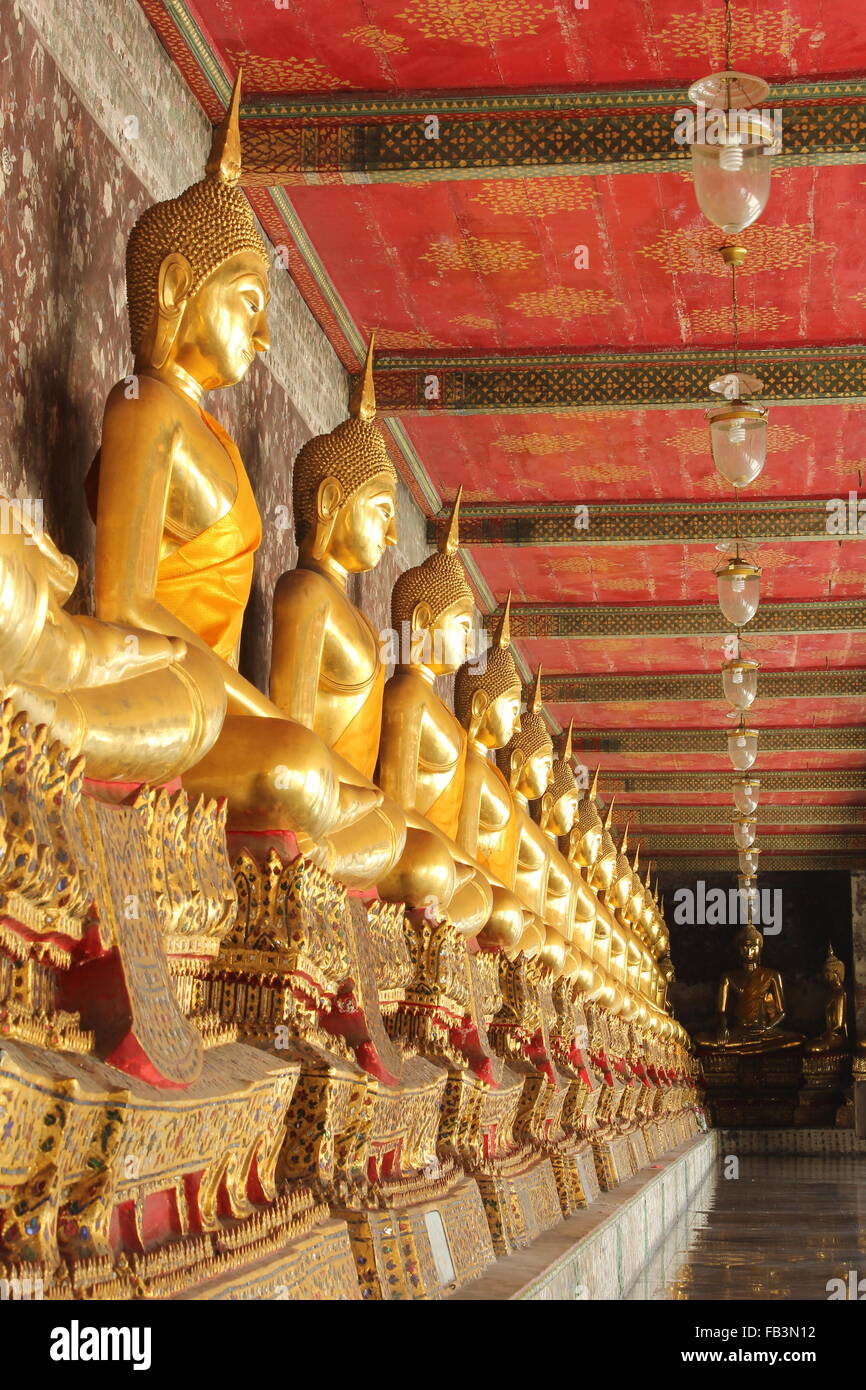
487,266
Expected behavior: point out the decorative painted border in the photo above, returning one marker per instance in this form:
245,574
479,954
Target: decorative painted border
781,863
845,779
679,620
645,523
518,383
768,815
672,685
836,738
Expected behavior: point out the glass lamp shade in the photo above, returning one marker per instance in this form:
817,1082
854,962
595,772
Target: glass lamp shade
732,180
745,830
746,791
749,860
743,748
739,586
738,439
740,682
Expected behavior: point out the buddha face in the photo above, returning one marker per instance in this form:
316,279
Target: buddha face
834,973
365,525
590,845
562,814
224,325
750,951
536,773
501,719
449,639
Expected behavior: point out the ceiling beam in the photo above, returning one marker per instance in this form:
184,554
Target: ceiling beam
640,817
588,743
634,523
670,865
678,783
517,383
814,840
618,620
673,685
387,138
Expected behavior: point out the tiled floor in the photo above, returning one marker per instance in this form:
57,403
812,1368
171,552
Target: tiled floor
780,1230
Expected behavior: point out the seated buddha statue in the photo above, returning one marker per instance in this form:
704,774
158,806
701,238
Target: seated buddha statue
570,905
100,688
422,752
835,1035
527,762
326,664
487,704
177,524
751,1003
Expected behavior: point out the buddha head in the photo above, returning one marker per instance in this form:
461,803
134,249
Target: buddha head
750,944
605,865
344,487
527,759
197,274
487,701
834,969
585,843
433,607
637,889
622,876
559,802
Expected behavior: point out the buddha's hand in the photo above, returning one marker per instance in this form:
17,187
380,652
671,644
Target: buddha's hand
113,652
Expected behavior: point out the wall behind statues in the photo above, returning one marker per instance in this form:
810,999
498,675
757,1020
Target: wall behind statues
815,908
95,124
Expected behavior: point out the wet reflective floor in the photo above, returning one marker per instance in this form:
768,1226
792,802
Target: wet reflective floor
783,1228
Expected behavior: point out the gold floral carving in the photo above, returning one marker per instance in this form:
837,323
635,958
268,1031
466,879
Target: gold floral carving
564,302
694,439
263,74
694,250
476,22
482,255
539,197
760,320
371,36
755,34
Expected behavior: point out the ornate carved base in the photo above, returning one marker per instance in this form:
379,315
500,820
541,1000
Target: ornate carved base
422,1250
576,1178
752,1092
613,1161
520,1200
822,1097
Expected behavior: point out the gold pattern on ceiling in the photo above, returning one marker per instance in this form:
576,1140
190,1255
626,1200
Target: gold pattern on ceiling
476,22
392,339
541,197
770,250
474,321
693,439
482,255
761,320
703,36
848,468
562,302
263,74
539,444
371,36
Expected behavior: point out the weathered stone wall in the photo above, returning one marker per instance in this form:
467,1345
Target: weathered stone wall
95,124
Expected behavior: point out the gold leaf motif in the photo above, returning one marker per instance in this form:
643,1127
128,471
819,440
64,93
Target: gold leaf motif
371,36
540,444
694,250
541,197
761,320
695,439
703,36
481,254
262,74
394,339
564,303
476,22
474,321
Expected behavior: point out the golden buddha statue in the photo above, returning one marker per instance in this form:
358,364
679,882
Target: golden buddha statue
422,753
326,667
753,996
835,1035
570,905
487,703
177,524
527,762
605,864
100,688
